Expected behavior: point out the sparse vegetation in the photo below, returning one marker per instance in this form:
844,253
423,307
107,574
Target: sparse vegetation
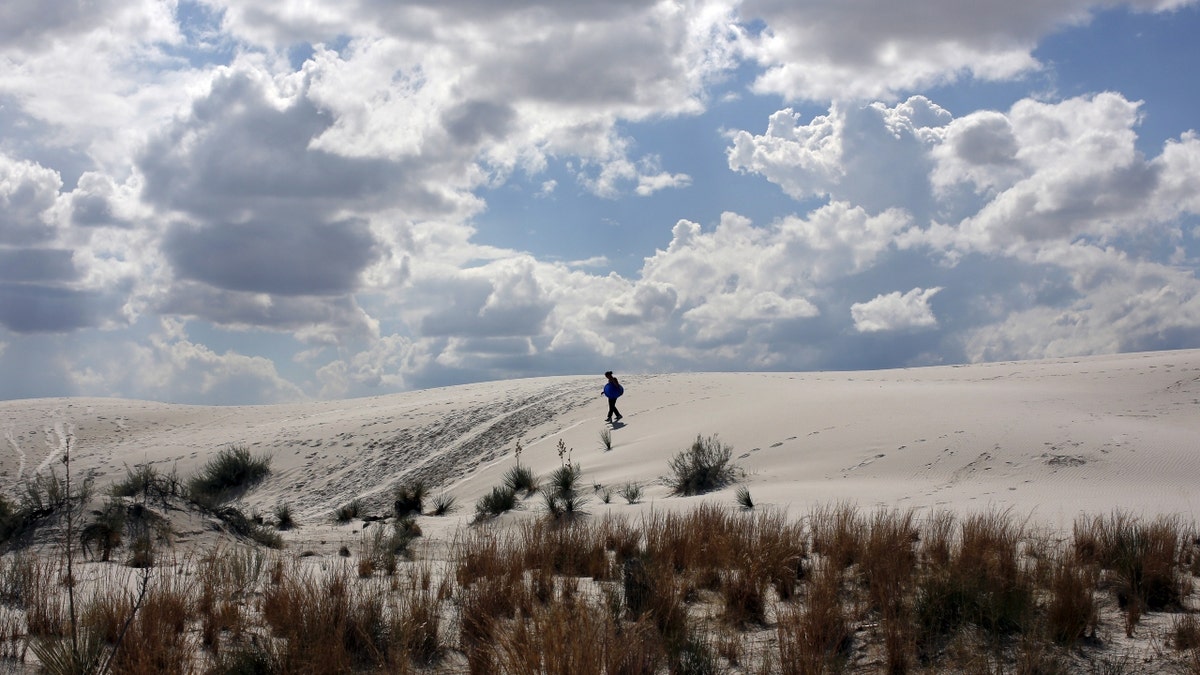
233,469
743,498
502,498
521,479
284,520
606,439
928,594
410,498
704,467
631,493
347,512
443,504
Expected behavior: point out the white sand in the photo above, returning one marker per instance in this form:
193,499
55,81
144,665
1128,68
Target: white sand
1051,438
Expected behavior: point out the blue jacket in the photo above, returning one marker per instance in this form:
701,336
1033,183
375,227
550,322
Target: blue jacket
613,390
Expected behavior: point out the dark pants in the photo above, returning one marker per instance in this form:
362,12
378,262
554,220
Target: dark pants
612,409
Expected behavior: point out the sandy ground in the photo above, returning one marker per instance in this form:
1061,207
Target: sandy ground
1051,439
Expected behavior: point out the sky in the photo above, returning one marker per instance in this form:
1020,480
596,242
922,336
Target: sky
236,202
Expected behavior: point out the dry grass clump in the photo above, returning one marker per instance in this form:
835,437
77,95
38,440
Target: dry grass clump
711,590
1142,561
707,465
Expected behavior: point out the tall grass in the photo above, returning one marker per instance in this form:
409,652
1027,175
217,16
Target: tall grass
710,589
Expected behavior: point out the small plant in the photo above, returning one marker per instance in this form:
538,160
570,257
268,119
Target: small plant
564,480
239,524
606,439
232,469
502,498
348,512
283,517
521,479
743,498
103,534
410,498
631,493
702,468
443,504
564,453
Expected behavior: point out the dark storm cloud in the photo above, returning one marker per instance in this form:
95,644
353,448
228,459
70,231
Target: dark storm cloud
234,308
471,122
37,265
93,210
35,308
466,312
26,23
295,258
238,152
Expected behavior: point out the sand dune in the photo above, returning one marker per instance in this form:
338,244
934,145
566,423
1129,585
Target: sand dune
1052,438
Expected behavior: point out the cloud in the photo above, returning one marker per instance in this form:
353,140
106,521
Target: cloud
895,311
501,299
278,258
27,193
872,156
168,365
875,49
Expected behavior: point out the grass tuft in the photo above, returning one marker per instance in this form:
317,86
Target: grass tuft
502,498
233,469
704,467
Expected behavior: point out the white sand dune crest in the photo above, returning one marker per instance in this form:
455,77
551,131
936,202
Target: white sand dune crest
1053,438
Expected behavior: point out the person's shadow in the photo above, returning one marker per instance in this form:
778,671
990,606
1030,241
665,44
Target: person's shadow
618,424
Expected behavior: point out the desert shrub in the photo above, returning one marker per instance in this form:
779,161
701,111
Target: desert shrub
347,512
245,658
1142,556
284,520
1071,611
415,630
383,548
743,498
502,498
1185,633
606,439
703,467
816,637
838,533
327,625
239,524
103,533
443,504
232,469
561,493
521,479
59,656
410,498
144,479
160,632
631,493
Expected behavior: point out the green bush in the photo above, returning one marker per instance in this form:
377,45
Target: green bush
521,478
410,498
703,467
232,469
502,498
443,504
347,512
631,493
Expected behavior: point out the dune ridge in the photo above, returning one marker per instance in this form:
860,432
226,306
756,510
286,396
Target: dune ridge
1052,437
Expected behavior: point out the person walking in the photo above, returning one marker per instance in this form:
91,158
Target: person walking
613,391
